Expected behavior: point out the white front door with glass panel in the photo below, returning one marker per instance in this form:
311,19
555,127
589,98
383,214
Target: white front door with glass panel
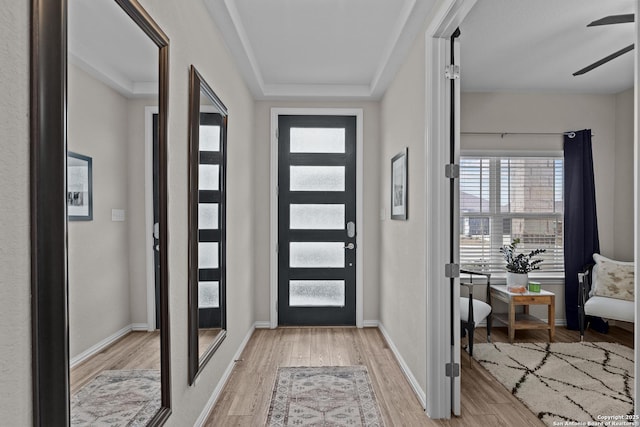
316,220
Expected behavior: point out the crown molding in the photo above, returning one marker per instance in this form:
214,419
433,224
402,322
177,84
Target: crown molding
406,29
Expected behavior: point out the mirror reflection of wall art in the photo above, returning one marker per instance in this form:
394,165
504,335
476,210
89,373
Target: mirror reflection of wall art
79,187
399,181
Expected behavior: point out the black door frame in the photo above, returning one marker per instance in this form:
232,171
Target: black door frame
361,232
345,315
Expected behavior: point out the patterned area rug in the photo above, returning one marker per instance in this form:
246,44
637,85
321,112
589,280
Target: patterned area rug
117,398
323,396
560,382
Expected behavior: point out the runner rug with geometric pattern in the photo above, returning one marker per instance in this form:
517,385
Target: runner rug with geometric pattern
323,396
117,398
565,382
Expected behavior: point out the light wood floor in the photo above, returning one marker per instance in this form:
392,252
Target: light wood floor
245,399
485,402
136,350
206,337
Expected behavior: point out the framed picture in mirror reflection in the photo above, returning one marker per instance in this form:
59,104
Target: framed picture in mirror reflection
79,187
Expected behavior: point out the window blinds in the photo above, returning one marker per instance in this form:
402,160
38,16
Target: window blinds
503,198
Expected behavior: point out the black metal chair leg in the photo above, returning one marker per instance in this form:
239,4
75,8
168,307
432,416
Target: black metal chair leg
581,323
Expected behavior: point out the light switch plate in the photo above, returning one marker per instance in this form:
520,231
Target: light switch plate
117,215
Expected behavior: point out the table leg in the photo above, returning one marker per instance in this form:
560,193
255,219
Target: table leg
512,321
552,319
526,309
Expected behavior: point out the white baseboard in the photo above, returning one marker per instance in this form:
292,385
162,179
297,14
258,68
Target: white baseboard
140,327
422,396
365,324
263,325
225,377
99,346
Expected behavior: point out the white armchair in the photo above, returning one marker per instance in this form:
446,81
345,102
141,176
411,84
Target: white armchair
605,289
473,311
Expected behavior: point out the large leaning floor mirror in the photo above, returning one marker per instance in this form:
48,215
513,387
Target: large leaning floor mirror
207,222
99,214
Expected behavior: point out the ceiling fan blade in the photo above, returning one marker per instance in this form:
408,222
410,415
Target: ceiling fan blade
613,19
604,60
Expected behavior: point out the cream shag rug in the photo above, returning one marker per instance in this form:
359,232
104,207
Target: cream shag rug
560,382
117,398
323,396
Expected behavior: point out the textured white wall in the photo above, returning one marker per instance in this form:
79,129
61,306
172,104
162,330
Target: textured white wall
623,196
195,40
15,284
262,170
98,249
402,243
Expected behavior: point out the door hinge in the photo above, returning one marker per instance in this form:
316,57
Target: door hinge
452,270
276,306
452,370
452,171
277,133
452,72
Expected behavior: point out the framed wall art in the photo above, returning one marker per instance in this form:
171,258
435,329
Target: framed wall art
399,186
79,187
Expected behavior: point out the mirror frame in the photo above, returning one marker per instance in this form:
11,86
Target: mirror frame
48,165
197,85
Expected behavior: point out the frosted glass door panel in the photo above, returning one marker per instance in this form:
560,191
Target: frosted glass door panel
208,255
316,293
209,138
316,254
317,217
208,216
208,295
317,178
209,177
317,140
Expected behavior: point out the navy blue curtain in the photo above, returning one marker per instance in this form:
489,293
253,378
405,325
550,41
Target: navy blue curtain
580,220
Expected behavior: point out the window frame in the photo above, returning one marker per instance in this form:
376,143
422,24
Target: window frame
495,215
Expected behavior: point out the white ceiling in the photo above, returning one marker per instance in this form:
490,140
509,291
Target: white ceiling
105,42
536,45
337,49
319,49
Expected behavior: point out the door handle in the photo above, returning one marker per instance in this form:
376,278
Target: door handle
350,246
351,229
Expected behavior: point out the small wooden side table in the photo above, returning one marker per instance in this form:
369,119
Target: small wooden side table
524,320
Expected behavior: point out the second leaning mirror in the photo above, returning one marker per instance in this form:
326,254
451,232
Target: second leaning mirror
207,222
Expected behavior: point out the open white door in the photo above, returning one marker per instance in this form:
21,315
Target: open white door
442,223
453,75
